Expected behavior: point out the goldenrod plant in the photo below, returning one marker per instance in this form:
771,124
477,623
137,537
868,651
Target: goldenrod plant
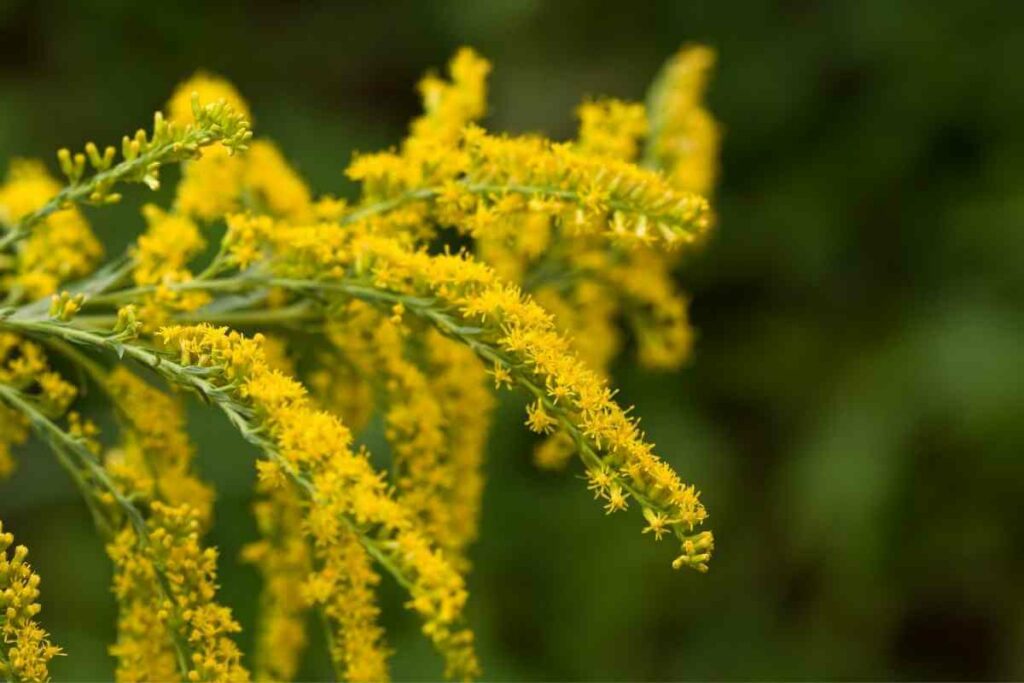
471,261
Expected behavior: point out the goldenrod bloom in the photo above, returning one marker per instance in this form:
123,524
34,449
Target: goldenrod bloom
25,648
344,490
60,248
468,257
684,137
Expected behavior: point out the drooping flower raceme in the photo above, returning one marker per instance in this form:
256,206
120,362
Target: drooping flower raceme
469,261
25,648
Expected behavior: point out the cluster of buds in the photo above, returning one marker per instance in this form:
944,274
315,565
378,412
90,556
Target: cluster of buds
144,153
64,306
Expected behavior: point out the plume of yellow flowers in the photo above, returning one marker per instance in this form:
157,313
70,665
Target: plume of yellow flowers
282,556
169,619
467,300
344,587
611,128
459,380
25,368
468,257
60,248
25,648
426,470
155,458
170,626
160,258
684,135
620,461
219,181
346,494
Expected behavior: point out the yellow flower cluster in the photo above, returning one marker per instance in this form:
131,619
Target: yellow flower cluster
170,626
623,463
503,177
219,182
154,460
568,240
60,248
283,558
25,648
654,306
448,106
424,470
531,350
345,492
344,588
24,367
273,184
169,619
684,137
161,256
536,208
611,128
458,380
590,194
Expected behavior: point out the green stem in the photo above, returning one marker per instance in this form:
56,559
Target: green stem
245,318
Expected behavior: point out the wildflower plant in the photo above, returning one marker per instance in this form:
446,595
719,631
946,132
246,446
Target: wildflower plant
558,243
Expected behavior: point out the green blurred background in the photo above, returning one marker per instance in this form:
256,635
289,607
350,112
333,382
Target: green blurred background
852,412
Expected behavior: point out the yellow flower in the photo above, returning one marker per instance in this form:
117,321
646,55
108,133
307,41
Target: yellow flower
60,248
684,137
25,648
657,523
164,250
210,185
276,185
512,324
156,453
344,489
538,420
344,588
210,89
611,128
161,623
590,194
284,560
24,366
449,106
569,239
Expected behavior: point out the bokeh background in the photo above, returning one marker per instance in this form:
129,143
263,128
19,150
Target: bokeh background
853,410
